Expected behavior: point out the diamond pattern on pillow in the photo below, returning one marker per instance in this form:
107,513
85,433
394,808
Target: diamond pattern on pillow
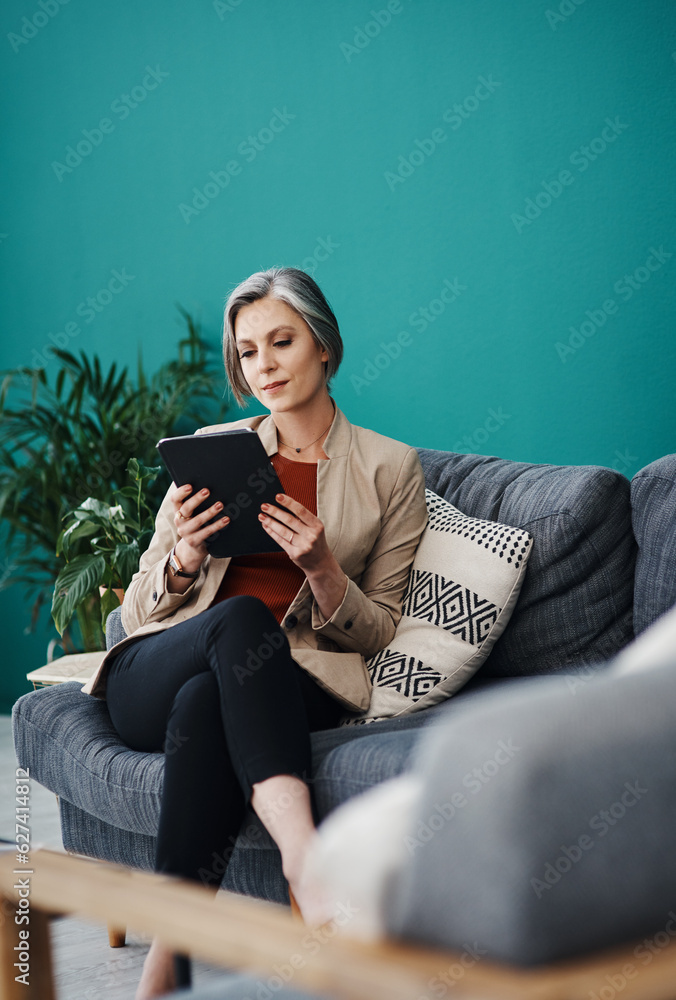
462,589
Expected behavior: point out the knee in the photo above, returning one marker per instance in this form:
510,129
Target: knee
249,616
245,608
195,712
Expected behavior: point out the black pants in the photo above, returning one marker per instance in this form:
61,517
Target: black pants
221,695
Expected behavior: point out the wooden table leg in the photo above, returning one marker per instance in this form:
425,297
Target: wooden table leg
117,936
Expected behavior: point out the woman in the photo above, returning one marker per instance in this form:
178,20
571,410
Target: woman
230,663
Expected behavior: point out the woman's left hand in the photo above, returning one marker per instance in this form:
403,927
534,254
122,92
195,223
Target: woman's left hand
299,532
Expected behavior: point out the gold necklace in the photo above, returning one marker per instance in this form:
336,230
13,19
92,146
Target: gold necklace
306,446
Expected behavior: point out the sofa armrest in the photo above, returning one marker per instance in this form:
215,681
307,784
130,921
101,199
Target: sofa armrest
114,629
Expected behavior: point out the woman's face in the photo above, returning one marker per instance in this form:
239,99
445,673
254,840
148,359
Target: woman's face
280,359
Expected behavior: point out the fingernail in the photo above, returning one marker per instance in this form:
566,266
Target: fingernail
225,520
218,505
280,496
205,493
265,506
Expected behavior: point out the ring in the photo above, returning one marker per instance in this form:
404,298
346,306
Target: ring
181,514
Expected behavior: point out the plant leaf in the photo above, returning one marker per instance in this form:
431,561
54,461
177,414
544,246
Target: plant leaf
75,581
126,561
78,529
137,470
95,507
109,601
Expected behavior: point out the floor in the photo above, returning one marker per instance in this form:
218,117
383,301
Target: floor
86,967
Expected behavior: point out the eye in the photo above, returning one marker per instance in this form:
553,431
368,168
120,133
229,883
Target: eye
245,354
282,343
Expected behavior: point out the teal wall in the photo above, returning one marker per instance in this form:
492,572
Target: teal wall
462,147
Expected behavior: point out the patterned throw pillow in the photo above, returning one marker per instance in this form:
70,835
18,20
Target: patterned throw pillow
462,589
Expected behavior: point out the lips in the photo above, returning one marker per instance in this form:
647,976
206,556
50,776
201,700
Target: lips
273,385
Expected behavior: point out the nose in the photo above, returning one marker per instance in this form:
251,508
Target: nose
266,359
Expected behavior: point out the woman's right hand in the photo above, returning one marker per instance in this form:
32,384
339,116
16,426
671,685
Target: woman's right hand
192,529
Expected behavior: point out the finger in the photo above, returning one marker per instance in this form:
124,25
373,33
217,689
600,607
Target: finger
296,508
194,523
285,536
212,529
191,503
180,494
300,514
283,516
197,538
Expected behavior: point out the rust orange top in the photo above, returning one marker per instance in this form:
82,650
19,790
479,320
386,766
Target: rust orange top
272,576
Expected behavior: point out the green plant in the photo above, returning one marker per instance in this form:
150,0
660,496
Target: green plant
70,439
114,537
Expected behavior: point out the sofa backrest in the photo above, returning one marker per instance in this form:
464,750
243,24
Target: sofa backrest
653,503
575,606
576,603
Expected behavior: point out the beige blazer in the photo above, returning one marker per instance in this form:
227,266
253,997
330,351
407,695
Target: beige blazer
371,500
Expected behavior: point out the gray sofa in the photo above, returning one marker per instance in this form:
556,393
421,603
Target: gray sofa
603,567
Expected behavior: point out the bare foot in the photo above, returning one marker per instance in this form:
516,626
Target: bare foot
158,977
315,904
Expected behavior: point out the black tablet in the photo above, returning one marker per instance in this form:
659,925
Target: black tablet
235,468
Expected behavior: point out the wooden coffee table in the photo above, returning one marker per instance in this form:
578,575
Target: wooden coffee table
259,937
78,667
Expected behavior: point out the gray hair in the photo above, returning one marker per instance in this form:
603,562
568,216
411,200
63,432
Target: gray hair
303,294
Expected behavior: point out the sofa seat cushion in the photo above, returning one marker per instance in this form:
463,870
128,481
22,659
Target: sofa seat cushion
653,511
575,606
71,746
